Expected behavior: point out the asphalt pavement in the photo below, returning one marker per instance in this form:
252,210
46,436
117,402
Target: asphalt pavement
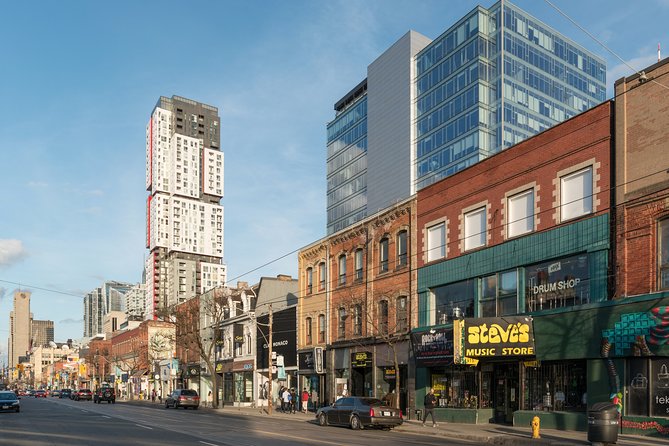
495,434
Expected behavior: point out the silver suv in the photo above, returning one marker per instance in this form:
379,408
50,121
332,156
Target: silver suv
183,398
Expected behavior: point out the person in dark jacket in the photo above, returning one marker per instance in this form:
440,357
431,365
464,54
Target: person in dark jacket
429,403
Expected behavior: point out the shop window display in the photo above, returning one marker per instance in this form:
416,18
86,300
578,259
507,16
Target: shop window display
559,386
457,387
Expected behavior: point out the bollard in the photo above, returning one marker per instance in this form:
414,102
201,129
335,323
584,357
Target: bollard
535,427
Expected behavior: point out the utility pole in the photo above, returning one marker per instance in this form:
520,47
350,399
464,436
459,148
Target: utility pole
271,365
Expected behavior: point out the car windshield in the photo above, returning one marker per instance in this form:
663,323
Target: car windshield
7,395
189,392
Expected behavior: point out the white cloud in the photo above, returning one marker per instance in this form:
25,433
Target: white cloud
11,251
37,184
623,69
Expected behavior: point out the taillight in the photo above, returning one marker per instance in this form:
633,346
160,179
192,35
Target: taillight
371,411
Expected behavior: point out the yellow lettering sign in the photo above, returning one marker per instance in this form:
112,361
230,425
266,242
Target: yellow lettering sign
517,333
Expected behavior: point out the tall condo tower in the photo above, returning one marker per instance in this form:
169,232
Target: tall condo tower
430,108
184,178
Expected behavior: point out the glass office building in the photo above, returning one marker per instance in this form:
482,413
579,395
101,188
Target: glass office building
482,86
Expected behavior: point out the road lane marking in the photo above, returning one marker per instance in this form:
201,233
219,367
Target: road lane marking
209,444
105,416
145,427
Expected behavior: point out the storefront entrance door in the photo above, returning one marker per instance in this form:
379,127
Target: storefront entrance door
505,382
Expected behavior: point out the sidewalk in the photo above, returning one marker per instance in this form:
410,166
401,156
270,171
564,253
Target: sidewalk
495,434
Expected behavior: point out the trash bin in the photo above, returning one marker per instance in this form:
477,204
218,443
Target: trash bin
603,423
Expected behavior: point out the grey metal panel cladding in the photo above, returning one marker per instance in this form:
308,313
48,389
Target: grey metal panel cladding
389,123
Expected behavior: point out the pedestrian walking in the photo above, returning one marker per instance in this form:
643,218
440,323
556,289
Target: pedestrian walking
305,400
285,400
153,396
429,402
210,401
293,401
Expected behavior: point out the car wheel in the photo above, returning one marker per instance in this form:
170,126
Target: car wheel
18,409
355,423
167,406
323,420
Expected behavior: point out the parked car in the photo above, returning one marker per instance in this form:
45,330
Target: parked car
66,393
9,401
105,394
183,398
83,394
40,393
359,412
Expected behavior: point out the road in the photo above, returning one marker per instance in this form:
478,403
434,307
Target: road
51,421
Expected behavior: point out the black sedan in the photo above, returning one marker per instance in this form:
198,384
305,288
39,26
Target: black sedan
359,412
9,401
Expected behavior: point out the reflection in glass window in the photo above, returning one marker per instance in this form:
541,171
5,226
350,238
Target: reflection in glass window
452,301
475,229
499,294
558,283
436,242
358,264
310,280
521,213
342,270
402,248
383,255
576,194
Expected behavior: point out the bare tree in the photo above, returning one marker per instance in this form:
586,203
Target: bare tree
198,329
383,318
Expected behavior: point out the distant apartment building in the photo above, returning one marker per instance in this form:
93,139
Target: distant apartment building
184,178
430,108
110,297
135,301
19,328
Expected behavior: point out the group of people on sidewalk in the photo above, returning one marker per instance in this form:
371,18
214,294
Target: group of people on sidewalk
289,400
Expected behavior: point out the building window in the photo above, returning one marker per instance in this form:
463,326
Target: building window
383,317
358,264
357,320
248,344
402,249
436,242
321,328
310,280
576,194
475,229
401,314
663,254
499,294
307,331
342,322
321,276
557,283
383,255
342,269
520,213
452,301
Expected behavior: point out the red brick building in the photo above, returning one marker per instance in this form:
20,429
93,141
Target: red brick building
642,181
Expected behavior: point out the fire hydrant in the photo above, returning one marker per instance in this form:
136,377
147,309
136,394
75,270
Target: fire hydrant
535,427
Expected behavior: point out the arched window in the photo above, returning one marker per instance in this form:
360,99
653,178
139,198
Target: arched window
321,328
310,280
402,258
307,331
383,317
342,269
358,264
401,315
383,255
357,320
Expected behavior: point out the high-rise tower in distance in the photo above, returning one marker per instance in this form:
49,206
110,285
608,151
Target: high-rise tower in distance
184,178
430,108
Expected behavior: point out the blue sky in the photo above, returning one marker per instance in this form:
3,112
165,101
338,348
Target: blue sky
79,80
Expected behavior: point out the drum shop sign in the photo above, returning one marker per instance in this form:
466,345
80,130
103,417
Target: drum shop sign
493,337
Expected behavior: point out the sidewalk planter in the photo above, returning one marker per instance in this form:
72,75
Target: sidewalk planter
468,416
566,421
